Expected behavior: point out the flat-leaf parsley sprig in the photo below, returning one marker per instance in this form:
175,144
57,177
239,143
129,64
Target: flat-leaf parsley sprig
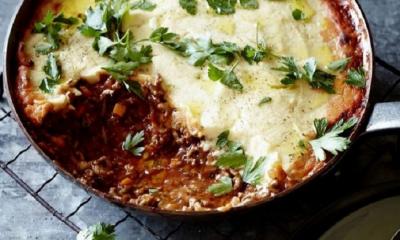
330,140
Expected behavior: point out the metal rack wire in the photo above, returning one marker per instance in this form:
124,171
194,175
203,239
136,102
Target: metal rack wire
66,219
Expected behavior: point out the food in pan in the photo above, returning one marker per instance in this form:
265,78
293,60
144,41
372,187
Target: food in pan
189,105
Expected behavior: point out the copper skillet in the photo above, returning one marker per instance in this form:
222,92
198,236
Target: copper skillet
385,116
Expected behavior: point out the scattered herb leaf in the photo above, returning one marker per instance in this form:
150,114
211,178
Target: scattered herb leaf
226,77
103,23
131,143
53,74
224,186
51,26
223,7
339,65
254,171
317,78
249,4
231,159
265,100
168,39
257,54
330,141
356,77
189,5
145,5
298,15
100,231
223,139
320,126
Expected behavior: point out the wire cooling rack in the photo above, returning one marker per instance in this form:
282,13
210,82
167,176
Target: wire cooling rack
142,227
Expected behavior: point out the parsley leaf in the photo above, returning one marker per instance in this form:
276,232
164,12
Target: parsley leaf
293,72
105,18
249,4
224,186
223,7
298,15
198,51
330,141
339,65
189,5
96,21
53,74
144,5
251,54
226,77
234,156
264,101
99,231
168,39
120,72
222,139
320,126
232,159
51,26
131,143
254,171
103,23
315,77
356,77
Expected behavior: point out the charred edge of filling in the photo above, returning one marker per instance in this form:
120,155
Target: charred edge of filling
353,40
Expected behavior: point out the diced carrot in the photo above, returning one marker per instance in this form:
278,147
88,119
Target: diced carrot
119,110
126,181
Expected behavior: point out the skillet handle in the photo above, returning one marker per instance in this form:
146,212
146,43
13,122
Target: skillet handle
1,84
385,117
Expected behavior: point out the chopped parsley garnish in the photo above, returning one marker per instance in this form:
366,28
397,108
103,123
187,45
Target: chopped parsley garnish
254,171
315,77
265,100
223,7
51,26
131,144
256,54
169,40
226,77
105,18
53,74
233,159
249,4
100,231
298,15
198,51
224,186
330,141
145,5
189,5
293,72
234,155
103,22
226,7
223,139
339,65
356,77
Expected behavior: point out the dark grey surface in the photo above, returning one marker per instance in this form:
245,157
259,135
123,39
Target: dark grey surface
375,160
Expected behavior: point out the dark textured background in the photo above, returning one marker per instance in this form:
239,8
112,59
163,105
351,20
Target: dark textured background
374,160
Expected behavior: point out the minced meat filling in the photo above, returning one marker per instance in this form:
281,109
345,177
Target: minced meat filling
173,172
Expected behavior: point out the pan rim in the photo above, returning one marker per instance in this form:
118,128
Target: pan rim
358,130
